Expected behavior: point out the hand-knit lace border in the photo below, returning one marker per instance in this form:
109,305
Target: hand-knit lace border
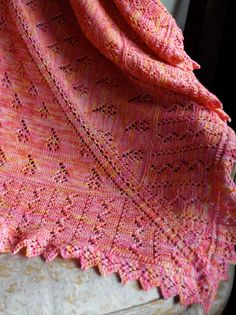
168,276
194,279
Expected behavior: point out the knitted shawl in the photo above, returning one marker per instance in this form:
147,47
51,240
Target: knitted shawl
111,150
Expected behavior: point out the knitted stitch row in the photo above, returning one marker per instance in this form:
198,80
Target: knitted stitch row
111,150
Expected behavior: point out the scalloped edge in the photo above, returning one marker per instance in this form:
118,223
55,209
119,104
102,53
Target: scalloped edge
90,256
98,258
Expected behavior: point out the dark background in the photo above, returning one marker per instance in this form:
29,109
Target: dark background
210,38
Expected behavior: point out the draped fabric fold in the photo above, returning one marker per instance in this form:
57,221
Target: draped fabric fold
107,31
111,150
158,29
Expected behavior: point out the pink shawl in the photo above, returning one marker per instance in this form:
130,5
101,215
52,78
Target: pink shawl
111,150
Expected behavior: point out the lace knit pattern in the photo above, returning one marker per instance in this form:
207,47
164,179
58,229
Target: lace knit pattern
158,29
111,153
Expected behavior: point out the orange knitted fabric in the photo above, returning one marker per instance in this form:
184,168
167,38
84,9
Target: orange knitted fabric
158,29
111,150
